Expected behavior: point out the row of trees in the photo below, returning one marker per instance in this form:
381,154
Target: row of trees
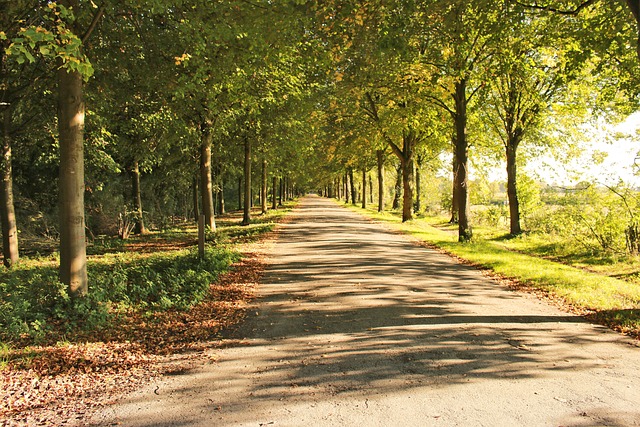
192,94
422,78
176,93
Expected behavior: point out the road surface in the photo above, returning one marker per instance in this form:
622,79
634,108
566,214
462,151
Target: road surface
358,326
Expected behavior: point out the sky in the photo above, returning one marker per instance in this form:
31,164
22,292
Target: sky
619,163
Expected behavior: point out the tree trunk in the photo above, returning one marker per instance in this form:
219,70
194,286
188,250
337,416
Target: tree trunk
370,189
364,188
73,246
263,194
418,164
196,196
454,193
274,186
409,141
280,191
353,187
380,158
512,190
346,187
240,193
222,205
7,208
461,160
206,180
407,188
398,188
246,217
139,227
285,188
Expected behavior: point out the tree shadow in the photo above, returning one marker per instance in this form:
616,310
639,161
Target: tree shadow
349,310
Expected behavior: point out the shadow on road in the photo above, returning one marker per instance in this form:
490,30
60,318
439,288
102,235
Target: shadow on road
347,309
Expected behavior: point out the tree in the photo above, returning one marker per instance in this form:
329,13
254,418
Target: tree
531,73
457,50
65,46
246,214
380,170
71,112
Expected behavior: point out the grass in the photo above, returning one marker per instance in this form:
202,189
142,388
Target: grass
152,273
532,261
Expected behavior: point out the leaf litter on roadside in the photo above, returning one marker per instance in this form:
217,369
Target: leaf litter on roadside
58,384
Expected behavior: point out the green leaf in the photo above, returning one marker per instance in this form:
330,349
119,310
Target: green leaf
29,56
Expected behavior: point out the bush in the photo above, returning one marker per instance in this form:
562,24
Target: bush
495,215
591,217
32,298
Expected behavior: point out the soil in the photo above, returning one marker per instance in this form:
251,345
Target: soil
354,324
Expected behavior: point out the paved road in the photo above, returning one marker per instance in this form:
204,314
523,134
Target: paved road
358,326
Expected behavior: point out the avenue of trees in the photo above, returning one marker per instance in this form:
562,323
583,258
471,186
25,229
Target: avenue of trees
120,115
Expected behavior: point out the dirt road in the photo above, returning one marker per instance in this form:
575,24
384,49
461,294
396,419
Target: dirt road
358,326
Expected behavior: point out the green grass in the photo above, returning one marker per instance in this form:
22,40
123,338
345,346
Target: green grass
158,271
611,301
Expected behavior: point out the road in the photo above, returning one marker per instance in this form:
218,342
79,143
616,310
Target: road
356,325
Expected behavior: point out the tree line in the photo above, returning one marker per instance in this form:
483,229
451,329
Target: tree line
416,79
115,109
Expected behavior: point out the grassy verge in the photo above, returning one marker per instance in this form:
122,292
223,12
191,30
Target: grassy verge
607,300
136,278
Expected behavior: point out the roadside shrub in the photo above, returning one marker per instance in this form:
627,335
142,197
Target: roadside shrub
591,217
32,298
494,215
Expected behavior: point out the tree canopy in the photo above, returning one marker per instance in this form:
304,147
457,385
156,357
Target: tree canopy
160,100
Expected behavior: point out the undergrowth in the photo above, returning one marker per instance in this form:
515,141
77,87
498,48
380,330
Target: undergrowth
155,272
34,302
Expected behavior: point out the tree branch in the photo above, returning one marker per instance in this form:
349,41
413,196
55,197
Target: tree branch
575,11
94,23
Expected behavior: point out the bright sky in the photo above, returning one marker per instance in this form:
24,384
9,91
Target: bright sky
621,154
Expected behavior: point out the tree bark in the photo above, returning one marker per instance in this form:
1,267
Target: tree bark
206,179
380,158
285,188
240,193
409,141
222,204
398,188
274,187
73,246
353,187
364,188
407,187
246,217
281,190
455,206
139,227
461,160
512,189
370,189
263,194
7,208
418,164
346,187
196,204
